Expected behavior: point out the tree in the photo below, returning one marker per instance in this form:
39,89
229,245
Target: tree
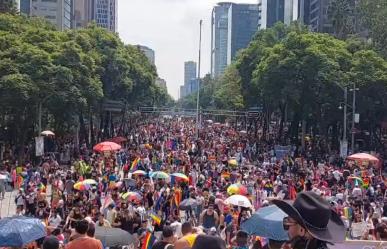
8,6
228,95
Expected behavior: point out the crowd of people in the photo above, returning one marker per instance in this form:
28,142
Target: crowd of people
166,182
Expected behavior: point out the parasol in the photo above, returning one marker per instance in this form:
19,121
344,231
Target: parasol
20,230
233,162
363,157
47,133
106,146
159,175
238,200
188,204
139,172
112,237
131,196
267,222
237,188
180,176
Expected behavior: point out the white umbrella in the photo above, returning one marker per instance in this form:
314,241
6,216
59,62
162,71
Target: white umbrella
238,200
47,133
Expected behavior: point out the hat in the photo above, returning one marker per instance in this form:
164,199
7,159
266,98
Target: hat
208,242
51,242
315,214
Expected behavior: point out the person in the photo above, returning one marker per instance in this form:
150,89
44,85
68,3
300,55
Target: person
102,222
209,242
188,238
209,217
241,240
81,240
304,229
54,220
50,242
168,239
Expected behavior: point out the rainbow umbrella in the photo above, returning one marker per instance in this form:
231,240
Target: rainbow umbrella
180,176
237,189
159,175
131,196
81,186
139,172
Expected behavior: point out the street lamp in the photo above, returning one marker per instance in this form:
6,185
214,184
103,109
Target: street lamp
198,83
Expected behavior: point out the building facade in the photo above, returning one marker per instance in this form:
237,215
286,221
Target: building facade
219,38
233,26
189,72
58,12
149,53
84,13
285,11
243,22
161,83
106,14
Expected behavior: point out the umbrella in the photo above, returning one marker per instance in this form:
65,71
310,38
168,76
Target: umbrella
238,200
47,133
180,176
267,222
131,196
363,157
111,237
159,175
243,132
81,186
89,181
188,204
106,146
20,230
139,172
237,189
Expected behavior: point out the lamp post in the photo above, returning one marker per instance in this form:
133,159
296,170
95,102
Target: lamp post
198,82
354,89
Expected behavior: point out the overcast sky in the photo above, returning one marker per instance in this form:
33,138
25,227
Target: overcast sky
171,29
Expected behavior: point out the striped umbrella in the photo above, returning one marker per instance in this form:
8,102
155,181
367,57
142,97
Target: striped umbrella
159,175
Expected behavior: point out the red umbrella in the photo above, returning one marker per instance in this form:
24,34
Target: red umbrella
363,157
106,146
118,140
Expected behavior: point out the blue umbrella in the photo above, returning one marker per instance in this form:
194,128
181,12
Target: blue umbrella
19,231
267,222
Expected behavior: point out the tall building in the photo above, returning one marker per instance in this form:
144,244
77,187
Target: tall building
189,72
233,26
106,14
84,13
58,12
219,37
149,53
243,22
285,11
318,16
161,83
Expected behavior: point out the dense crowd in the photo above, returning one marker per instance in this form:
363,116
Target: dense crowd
168,183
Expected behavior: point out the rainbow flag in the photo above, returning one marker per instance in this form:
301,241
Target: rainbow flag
148,241
133,167
156,219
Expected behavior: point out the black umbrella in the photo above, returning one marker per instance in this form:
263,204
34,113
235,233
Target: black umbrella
188,204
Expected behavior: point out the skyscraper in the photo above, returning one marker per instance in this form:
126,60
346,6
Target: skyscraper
189,72
84,13
233,26
149,53
318,16
219,37
58,12
242,25
106,14
273,11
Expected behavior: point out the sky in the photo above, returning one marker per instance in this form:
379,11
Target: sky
171,29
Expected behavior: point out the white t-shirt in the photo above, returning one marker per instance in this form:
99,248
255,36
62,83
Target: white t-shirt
177,227
55,221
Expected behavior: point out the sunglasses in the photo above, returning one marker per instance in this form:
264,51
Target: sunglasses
287,223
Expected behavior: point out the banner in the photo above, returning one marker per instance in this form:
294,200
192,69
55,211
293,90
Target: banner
39,146
360,244
282,151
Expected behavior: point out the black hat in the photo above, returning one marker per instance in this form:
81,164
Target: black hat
208,242
315,214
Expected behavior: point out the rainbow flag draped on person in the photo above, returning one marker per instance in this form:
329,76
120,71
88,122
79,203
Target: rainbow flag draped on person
148,241
133,167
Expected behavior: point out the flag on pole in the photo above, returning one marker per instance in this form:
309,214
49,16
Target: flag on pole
148,241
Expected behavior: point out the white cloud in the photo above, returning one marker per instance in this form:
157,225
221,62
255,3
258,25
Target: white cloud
171,28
